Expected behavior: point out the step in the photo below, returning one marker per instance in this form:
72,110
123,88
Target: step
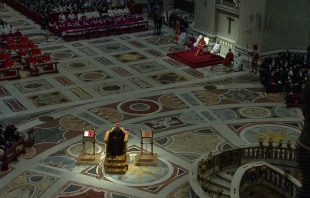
120,158
217,181
226,192
111,164
225,176
115,170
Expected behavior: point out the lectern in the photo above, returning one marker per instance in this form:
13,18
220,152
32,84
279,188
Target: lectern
145,157
91,158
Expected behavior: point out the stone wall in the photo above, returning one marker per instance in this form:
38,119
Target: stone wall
289,25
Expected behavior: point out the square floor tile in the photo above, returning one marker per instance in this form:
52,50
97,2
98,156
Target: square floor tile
111,88
113,47
129,57
77,65
48,99
33,85
168,78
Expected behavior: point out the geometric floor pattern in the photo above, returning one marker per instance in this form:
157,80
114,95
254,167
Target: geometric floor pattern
191,112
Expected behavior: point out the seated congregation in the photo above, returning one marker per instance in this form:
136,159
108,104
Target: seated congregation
286,73
13,144
18,52
95,24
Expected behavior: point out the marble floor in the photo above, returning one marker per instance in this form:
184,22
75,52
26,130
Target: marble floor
129,79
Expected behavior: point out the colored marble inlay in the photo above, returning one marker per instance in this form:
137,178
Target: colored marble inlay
195,73
34,85
141,83
100,41
163,40
88,51
92,76
77,65
28,184
48,99
81,93
92,118
52,47
111,88
64,80
168,78
4,92
129,57
174,62
190,99
155,53
137,44
14,105
103,61
121,71
148,67
113,47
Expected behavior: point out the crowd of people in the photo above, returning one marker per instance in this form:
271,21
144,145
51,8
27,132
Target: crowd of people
6,28
8,136
92,20
21,49
286,73
46,7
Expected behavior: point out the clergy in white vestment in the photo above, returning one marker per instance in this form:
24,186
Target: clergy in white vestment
71,16
197,41
238,63
62,18
216,48
182,39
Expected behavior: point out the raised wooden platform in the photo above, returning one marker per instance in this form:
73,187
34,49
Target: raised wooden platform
88,159
146,160
116,164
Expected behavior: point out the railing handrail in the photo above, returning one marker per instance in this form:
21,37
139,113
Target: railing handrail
236,181
234,157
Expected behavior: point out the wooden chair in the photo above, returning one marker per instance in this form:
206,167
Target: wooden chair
109,146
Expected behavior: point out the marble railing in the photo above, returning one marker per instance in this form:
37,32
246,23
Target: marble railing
261,173
218,161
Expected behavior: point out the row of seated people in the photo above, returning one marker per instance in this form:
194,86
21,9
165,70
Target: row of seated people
45,7
6,28
286,73
8,136
72,16
82,24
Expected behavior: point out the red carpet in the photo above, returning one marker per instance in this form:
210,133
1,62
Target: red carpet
189,58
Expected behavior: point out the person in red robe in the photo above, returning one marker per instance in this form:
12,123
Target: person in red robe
228,58
23,39
4,56
177,25
176,36
201,45
36,51
23,56
45,59
8,64
255,57
10,41
191,41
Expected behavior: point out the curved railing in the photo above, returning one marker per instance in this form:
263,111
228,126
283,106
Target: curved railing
261,173
217,161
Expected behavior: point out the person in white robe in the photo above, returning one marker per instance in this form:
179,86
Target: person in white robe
71,16
196,43
182,39
62,18
216,48
238,63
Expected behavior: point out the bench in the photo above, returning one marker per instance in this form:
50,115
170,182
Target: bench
36,71
11,154
9,73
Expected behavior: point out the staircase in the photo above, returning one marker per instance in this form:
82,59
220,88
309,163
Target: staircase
220,180
116,164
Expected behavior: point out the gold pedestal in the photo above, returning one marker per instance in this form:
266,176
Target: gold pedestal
88,159
146,160
116,164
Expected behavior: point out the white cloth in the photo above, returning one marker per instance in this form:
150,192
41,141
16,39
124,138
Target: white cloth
216,49
197,41
238,64
71,16
62,18
182,38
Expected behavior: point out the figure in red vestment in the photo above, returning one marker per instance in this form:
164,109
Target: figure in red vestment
4,56
36,51
9,64
255,57
10,41
228,58
191,41
176,37
45,59
23,56
201,45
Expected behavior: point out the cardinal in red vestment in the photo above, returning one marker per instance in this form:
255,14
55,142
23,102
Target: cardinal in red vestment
201,45
191,41
228,58
255,57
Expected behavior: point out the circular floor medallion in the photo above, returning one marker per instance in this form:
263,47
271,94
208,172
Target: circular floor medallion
225,114
255,112
77,65
143,175
93,76
221,68
286,112
111,88
208,98
37,178
139,107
